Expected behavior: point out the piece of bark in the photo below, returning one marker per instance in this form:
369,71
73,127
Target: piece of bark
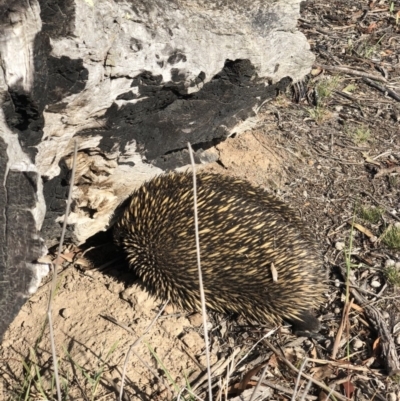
20,244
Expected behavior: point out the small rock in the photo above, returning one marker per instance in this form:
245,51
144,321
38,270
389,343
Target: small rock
337,283
397,224
65,313
391,397
397,265
127,294
193,341
375,284
223,328
170,309
340,245
26,323
389,263
203,359
385,314
116,287
68,286
6,377
172,327
142,297
196,320
337,311
209,156
138,297
380,384
357,344
373,239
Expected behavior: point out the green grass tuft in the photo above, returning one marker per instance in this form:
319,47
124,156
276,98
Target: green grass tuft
391,237
371,214
393,275
360,134
324,90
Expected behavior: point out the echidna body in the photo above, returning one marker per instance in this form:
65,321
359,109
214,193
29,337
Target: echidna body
246,238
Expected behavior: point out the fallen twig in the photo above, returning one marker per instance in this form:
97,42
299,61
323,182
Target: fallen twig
387,171
350,71
306,376
381,204
381,88
345,317
390,357
345,365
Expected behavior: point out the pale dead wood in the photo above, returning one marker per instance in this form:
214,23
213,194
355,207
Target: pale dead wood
345,365
350,71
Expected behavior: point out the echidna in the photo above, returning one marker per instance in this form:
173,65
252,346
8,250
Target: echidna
246,238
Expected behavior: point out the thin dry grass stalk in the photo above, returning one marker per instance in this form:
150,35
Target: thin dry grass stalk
298,378
343,324
135,344
322,385
54,280
202,296
256,388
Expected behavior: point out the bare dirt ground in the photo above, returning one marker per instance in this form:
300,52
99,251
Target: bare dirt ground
335,157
